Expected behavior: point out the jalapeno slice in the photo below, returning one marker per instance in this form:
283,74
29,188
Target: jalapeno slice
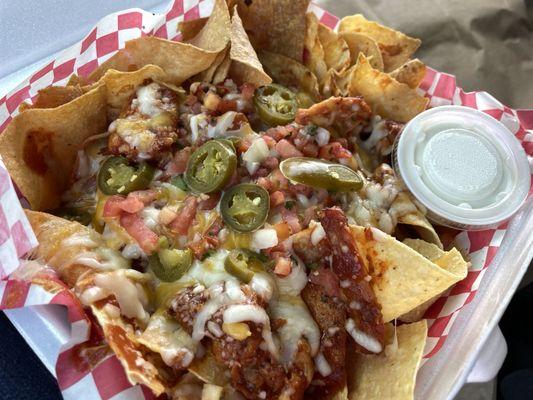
236,264
275,104
210,167
242,263
321,174
245,207
169,265
74,214
118,176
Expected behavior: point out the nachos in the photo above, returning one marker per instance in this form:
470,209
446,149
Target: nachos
226,209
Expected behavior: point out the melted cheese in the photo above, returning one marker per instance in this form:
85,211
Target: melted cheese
379,131
263,284
222,295
136,133
225,293
300,324
148,99
322,365
166,337
211,270
93,253
361,338
130,296
254,313
293,283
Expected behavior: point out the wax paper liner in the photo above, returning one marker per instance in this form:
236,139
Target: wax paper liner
107,379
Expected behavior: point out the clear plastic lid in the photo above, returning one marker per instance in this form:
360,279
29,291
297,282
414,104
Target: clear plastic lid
466,167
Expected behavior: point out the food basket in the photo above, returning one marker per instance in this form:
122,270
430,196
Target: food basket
459,322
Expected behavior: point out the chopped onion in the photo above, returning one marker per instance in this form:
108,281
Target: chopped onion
322,136
264,238
255,155
318,234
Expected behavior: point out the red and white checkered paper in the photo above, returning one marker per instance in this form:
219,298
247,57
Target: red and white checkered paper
107,380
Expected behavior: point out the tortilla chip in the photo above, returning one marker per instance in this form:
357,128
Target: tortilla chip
415,220
214,36
336,51
391,374
361,43
77,80
314,53
245,66
165,336
209,74
39,145
386,96
396,47
55,96
222,70
277,26
50,232
411,73
341,81
191,27
189,387
120,86
402,278
208,370
179,60
431,252
290,73
121,338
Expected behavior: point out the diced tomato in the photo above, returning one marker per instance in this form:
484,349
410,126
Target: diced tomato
279,132
282,230
298,188
209,203
116,205
290,217
134,225
342,141
226,105
326,278
247,91
178,164
310,150
146,196
277,198
270,141
270,163
265,183
278,180
334,150
286,149
243,145
283,266
185,216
